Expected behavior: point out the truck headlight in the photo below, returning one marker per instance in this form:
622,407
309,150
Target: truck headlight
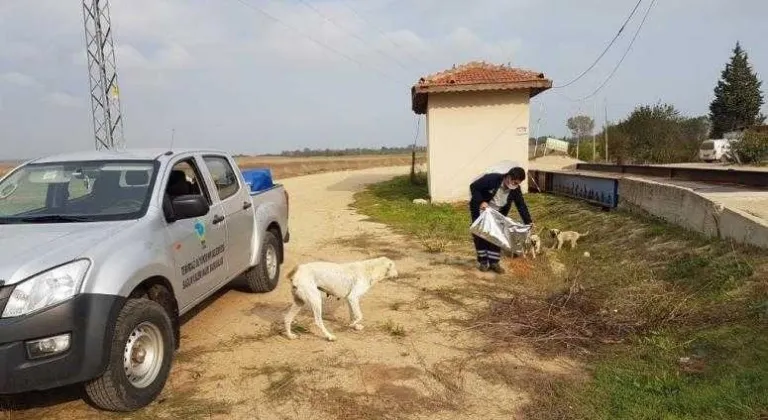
46,289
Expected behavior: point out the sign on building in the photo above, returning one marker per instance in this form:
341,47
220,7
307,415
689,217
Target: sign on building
557,145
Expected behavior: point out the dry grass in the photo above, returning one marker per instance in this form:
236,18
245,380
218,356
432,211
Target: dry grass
4,168
282,167
649,296
394,329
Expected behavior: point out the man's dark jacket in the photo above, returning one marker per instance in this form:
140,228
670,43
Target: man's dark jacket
484,189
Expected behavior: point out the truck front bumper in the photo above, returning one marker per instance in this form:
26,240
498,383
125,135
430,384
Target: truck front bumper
87,318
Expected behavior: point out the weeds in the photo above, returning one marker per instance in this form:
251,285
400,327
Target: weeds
394,329
657,312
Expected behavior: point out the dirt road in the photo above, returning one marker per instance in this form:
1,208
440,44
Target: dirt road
412,360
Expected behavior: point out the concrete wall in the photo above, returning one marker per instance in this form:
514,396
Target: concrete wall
470,131
686,208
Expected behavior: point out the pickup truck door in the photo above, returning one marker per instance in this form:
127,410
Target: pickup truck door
198,245
238,209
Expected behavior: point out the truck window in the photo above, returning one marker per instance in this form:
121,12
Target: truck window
223,175
70,192
185,179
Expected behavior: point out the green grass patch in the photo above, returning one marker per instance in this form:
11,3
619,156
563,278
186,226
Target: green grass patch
437,227
673,323
721,374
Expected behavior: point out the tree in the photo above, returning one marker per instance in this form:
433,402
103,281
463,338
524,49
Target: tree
752,148
657,134
581,125
738,98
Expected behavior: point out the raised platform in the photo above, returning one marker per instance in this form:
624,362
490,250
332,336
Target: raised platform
752,177
732,210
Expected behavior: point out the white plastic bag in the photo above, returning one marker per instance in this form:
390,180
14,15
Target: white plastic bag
500,230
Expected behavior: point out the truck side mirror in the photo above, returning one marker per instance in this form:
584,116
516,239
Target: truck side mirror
188,207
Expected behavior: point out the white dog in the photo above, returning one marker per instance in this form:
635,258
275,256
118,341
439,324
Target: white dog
342,280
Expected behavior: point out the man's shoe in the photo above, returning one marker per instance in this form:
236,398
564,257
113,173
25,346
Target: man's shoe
482,267
496,268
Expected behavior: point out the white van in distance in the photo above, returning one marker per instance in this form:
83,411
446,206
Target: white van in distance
714,149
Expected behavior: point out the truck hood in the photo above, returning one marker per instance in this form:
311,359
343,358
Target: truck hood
28,249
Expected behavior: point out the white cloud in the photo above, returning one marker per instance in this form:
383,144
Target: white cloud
64,100
170,57
20,51
19,79
197,63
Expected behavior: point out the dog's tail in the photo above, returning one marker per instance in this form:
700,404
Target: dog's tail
294,290
585,234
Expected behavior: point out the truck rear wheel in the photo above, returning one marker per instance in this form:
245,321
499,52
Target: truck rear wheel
263,278
140,358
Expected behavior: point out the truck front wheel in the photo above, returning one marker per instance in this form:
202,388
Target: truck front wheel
140,358
264,277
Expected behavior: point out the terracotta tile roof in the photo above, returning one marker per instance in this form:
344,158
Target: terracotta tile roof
475,76
479,73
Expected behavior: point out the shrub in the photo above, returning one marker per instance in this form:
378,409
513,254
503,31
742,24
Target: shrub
752,148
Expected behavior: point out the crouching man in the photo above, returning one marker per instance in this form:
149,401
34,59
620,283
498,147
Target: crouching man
498,191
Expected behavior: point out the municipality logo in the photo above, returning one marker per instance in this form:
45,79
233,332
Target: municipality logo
200,232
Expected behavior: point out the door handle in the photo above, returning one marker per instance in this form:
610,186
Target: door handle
217,219
247,205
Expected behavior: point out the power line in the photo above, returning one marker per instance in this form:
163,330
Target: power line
623,26
348,5
310,38
629,48
364,42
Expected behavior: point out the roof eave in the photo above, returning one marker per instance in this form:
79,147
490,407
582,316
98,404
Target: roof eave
420,93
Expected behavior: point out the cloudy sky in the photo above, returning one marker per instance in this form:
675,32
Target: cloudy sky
223,74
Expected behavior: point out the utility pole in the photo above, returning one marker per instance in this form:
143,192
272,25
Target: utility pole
606,129
594,142
578,143
102,70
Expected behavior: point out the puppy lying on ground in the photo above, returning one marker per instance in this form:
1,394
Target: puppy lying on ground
562,237
343,280
532,245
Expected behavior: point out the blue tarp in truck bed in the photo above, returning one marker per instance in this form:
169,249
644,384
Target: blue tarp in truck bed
258,180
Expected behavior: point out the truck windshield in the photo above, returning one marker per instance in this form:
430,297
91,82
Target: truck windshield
708,145
69,192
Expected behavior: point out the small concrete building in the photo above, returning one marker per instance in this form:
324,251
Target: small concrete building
477,115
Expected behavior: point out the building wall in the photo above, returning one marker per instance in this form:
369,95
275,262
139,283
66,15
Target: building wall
470,131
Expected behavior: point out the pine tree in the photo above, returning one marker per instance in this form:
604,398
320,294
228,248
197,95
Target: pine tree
738,98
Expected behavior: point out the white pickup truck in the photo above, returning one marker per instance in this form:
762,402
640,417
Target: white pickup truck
102,252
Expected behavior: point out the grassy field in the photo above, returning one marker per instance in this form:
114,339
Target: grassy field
286,167
668,324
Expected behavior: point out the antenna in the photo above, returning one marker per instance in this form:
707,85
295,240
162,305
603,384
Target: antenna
173,137
102,70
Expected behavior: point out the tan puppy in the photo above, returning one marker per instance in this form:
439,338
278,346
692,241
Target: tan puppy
532,245
562,237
